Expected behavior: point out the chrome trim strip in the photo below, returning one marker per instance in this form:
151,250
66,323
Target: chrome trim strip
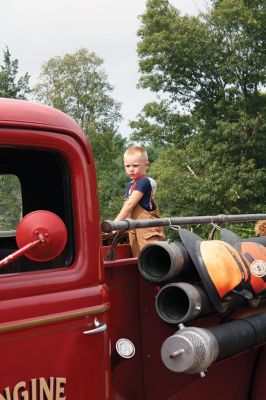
62,317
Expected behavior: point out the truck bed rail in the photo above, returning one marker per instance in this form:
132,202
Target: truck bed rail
109,226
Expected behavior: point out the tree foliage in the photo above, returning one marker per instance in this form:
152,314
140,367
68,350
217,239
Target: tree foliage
77,85
10,202
211,68
160,123
201,61
12,86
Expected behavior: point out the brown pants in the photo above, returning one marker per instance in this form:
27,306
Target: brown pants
138,238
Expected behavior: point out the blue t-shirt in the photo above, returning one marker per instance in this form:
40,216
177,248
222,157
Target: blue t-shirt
142,184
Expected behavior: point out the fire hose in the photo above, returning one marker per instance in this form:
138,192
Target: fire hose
193,349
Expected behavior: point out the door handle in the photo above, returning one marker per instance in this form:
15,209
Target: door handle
98,327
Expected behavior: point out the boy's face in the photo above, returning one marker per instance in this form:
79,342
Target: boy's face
135,165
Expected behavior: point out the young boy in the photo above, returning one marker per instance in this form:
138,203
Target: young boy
139,203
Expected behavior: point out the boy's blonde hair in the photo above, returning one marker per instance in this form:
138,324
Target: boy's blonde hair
137,149
260,228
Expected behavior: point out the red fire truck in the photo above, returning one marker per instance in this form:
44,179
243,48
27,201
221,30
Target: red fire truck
75,322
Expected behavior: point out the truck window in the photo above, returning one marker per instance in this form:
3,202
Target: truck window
33,180
10,203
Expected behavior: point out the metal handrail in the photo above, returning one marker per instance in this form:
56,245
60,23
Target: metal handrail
109,226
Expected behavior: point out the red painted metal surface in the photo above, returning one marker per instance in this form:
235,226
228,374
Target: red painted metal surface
133,312
127,374
28,115
85,211
43,314
56,350
49,230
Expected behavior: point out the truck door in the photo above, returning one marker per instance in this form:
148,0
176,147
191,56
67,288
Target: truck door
53,314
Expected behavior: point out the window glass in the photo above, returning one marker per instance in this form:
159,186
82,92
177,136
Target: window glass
10,203
32,180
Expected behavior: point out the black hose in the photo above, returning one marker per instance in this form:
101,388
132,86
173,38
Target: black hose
165,260
193,349
182,302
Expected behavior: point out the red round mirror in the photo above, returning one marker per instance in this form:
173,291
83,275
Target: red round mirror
46,228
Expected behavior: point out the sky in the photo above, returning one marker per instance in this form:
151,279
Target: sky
36,30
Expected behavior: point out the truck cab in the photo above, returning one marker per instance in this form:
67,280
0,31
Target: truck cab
50,310
80,326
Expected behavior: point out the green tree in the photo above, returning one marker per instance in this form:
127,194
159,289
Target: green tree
10,202
159,123
206,62
108,151
12,86
212,70
77,85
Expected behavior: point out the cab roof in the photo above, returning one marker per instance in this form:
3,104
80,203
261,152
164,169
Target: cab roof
26,114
